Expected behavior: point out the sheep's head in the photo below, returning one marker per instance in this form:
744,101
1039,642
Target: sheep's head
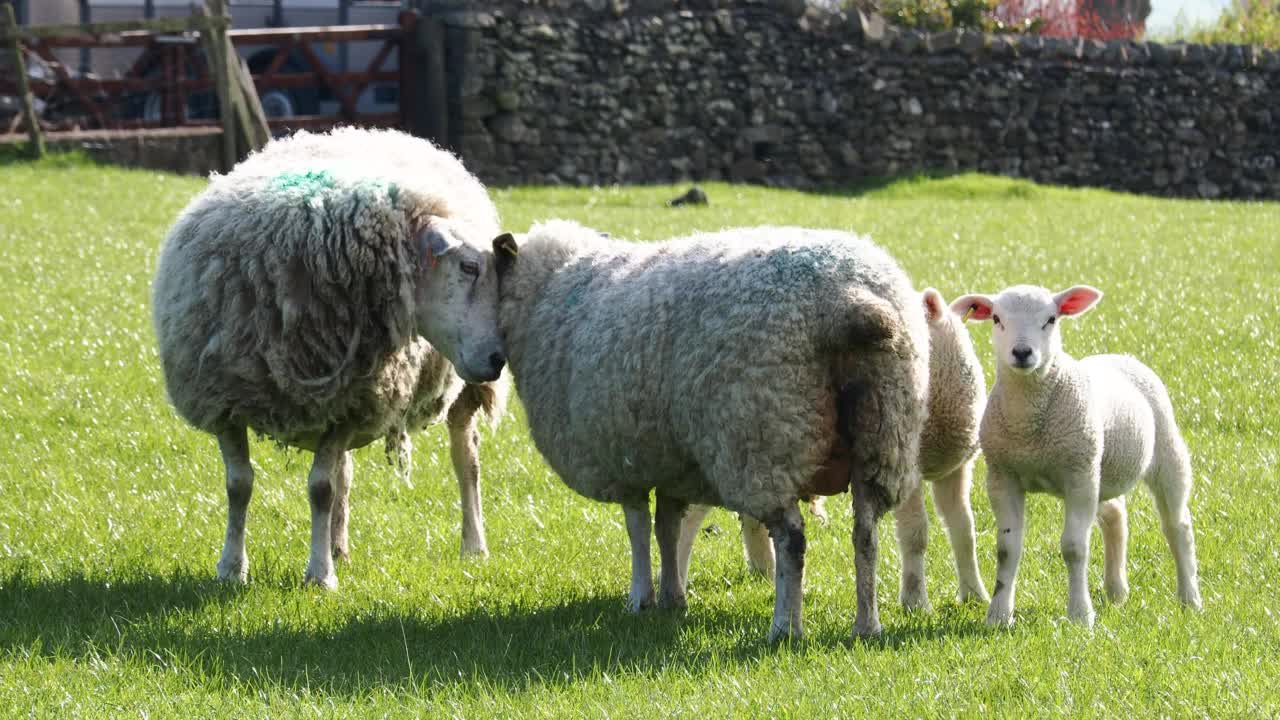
457,301
1025,319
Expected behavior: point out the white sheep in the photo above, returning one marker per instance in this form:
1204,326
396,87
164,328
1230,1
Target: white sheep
1086,431
745,369
948,449
323,293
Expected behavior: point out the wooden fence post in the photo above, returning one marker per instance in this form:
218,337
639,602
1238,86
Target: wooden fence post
10,32
214,38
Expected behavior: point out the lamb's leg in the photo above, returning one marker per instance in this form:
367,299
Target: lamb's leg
666,526
951,499
867,511
464,448
1171,489
338,518
690,526
1115,536
1080,508
912,526
787,531
757,546
320,488
1008,503
639,529
233,566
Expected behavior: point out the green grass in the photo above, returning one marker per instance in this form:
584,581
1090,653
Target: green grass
112,511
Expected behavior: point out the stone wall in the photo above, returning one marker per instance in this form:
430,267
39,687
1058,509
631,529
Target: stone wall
192,151
604,91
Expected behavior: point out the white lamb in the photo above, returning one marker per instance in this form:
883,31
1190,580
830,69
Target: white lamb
323,293
948,449
746,369
1086,431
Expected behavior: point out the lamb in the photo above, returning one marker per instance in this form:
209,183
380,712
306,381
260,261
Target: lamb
1086,431
746,369
948,449
328,291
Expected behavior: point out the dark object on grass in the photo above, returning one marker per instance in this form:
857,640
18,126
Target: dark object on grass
694,196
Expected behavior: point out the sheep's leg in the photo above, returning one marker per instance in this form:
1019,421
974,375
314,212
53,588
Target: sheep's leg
690,526
1115,536
233,566
1171,491
1008,503
912,526
320,488
787,532
757,546
666,526
1080,508
338,517
951,499
464,448
639,530
866,554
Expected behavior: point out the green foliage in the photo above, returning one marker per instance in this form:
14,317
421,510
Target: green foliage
939,15
1250,23
113,510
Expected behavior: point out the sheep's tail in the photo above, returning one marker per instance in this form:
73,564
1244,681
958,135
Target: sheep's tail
881,379
861,321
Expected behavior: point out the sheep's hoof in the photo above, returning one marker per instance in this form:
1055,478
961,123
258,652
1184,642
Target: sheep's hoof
341,551
1117,594
914,597
235,571
779,634
640,600
973,594
1000,617
1192,600
672,601
1081,616
863,630
479,551
328,582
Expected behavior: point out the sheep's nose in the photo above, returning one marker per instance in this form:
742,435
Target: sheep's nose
1021,353
496,361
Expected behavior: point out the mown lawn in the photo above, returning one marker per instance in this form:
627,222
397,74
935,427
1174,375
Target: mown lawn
112,511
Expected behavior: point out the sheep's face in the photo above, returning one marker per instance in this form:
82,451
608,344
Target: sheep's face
1025,319
457,301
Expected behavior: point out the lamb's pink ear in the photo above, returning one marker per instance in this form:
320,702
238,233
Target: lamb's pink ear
1076,300
973,307
934,305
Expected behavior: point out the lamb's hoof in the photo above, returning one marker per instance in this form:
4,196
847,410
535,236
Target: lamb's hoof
1082,617
328,582
1117,594
479,551
915,599
1000,617
341,552
784,633
672,601
640,601
973,594
760,570
1192,600
867,630
235,573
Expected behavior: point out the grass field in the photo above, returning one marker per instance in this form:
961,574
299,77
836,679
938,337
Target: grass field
112,510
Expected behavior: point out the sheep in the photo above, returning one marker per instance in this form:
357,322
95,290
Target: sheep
745,369
1086,431
948,449
328,291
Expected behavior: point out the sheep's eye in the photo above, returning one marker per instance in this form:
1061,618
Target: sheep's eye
470,268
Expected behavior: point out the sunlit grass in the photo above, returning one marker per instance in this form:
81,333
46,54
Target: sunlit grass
112,511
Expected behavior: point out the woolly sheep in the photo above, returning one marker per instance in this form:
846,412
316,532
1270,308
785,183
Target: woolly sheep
948,448
745,369
323,293
1086,431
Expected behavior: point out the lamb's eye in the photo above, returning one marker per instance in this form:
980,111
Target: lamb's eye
1051,321
996,319
470,268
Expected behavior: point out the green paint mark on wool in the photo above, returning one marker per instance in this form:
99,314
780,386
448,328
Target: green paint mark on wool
306,183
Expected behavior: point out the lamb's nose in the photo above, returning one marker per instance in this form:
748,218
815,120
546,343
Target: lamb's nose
496,361
1021,353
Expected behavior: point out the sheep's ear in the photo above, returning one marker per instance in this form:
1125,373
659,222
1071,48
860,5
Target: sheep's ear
435,241
1077,300
934,305
973,307
505,251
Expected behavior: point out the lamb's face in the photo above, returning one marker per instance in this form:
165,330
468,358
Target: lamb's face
1025,319
457,301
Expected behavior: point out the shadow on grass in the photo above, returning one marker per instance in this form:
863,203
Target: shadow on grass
18,153
148,621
